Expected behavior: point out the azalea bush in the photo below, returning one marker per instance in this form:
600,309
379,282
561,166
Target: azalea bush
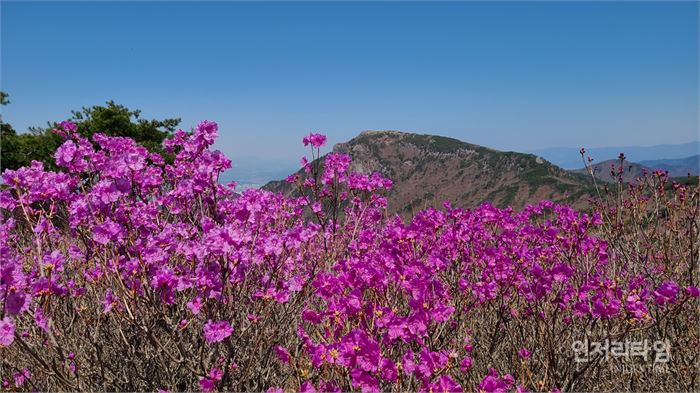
125,272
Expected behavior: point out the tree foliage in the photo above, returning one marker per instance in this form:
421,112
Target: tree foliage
20,149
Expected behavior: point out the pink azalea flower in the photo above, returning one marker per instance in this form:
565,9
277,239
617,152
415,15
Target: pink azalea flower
315,140
217,331
492,383
282,354
307,387
207,385
524,353
466,364
21,377
7,332
666,293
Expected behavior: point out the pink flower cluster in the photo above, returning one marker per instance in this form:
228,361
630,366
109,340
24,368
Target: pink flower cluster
376,293
315,140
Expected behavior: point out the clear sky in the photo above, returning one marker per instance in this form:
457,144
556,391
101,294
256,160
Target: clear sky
513,76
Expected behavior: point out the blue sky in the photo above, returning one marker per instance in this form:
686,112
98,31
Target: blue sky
513,76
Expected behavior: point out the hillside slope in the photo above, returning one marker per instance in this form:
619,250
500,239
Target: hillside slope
429,169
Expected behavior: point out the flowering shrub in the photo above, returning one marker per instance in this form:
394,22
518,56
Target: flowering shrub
127,273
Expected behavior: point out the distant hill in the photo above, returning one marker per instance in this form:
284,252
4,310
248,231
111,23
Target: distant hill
602,171
676,167
569,157
428,169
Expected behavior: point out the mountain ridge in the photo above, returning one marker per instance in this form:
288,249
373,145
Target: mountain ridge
429,169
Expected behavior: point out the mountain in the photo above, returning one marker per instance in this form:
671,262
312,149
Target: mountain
602,171
676,167
429,169
569,157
